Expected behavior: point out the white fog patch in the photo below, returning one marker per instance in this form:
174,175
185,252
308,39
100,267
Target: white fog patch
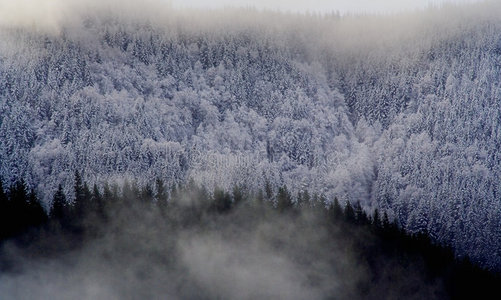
43,14
243,270
50,16
238,256
321,6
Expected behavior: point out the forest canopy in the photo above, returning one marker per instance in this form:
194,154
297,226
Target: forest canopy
400,118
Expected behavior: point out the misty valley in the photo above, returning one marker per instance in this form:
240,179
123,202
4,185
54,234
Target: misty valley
155,152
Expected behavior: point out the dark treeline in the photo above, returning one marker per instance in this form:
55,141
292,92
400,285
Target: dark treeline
375,238
20,210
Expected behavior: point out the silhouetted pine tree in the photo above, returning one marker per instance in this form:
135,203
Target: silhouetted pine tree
349,213
174,194
87,197
136,191
315,200
284,199
3,194
385,222
106,192
268,190
303,199
79,200
376,220
127,192
36,215
360,215
97,202
335,210
18,206
114,194
4,211
58,209
147,195
238,195
260,197
161,195
222,201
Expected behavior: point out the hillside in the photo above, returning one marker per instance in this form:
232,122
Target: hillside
402,118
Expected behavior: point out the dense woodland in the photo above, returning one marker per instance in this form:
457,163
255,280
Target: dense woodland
400,118
380,250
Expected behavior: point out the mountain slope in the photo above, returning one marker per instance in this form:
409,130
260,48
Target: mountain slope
405,119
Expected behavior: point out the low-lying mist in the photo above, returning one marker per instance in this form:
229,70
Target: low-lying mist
250,252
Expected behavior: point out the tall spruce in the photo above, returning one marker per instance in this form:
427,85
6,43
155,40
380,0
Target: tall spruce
161,195
349,212
238,195
36,214
284,199
98,205
147,194
4,211
336,211
58,207
80,194
222,200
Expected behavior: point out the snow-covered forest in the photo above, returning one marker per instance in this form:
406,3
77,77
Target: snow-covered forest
399,112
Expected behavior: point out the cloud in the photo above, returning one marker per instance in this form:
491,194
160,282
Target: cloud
51,15
48,14
343,6
43,14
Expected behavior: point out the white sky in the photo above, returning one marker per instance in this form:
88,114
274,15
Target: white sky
343,6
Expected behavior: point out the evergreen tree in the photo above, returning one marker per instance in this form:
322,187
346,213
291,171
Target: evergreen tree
284,199
137,192
318,202
222,201
268,190
127,192
79,204
87,204
98,205
161,195
110,198
114,194
36,214
174,194
376,219
238,196
360,215
78,186
303,199
3,196
147,195
18,206
349,213
315,199
336,211
259,199
107,194
385,223
58,207
87,194
4,212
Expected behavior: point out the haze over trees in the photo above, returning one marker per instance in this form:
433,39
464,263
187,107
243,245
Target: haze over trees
401,118
125,242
